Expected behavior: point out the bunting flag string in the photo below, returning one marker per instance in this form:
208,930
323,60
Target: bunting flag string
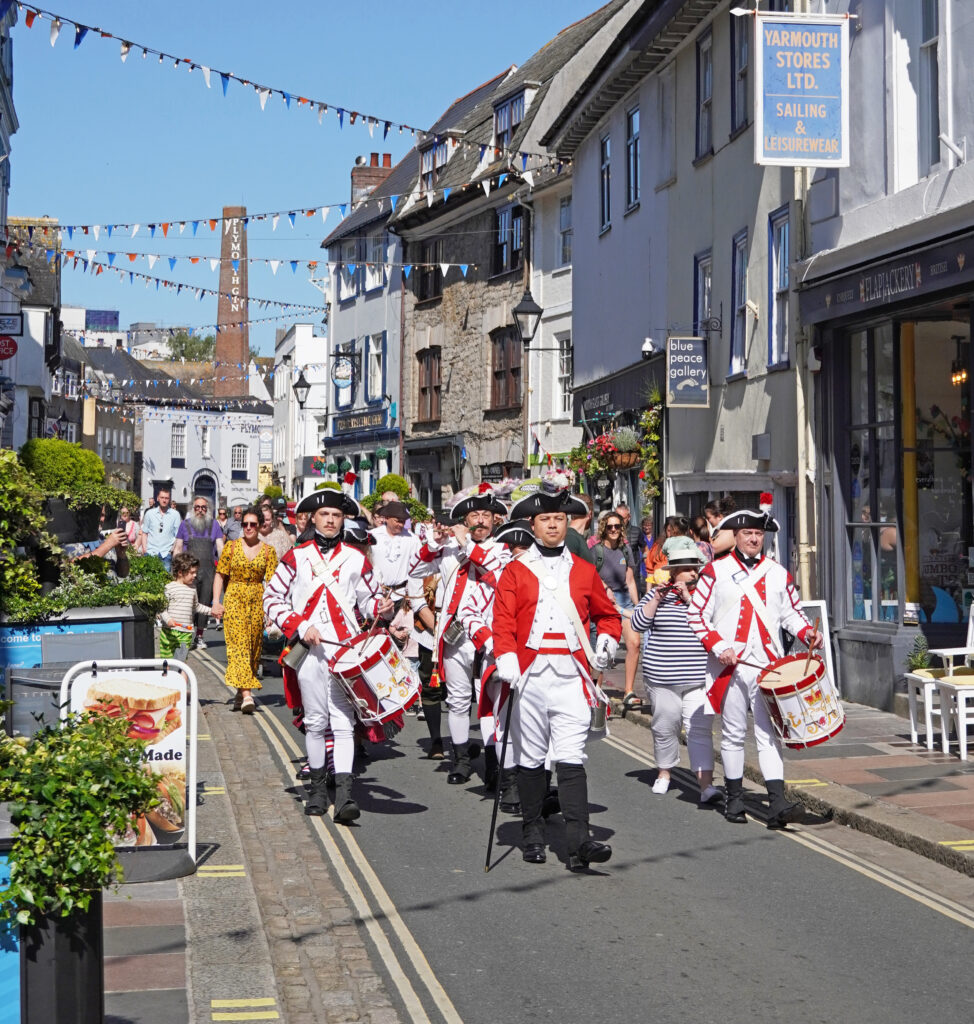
214,261
180,224
197,330
290,99
91,266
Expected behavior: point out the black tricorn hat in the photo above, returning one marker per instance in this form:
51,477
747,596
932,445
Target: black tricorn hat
516,534
485,502
328,497
746,519
542,501
355,529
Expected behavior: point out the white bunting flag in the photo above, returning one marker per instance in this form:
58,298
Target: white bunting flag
55,30
486,184
214,264
274,264
96,229
135,230
274,221
91,254
151,260
125,50
444,267
206,75
529,178
263,94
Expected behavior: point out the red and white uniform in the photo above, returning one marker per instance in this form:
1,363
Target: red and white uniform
461,569
723,615
295,599
556,690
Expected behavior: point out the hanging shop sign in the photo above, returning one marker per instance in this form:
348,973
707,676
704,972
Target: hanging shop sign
801,94
12,323
687,374
359,421
343,372
8,347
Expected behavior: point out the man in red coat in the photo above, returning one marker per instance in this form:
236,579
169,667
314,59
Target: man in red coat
542,608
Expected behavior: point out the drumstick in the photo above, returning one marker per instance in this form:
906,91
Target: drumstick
808,660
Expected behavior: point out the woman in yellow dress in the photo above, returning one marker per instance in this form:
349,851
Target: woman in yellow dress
244,567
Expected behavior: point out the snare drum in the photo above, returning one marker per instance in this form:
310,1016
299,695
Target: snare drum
379,681
804,706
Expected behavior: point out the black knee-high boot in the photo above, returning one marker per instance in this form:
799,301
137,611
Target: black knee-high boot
531,788
490,768
462,768
346,809
318,799
573,796
781,810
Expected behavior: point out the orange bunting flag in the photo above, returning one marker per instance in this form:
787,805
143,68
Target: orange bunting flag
194,259
213,224
165,230
132,256
29,18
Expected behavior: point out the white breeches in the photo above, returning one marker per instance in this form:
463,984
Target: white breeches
550,712
676,705
460,684
742,694
326,706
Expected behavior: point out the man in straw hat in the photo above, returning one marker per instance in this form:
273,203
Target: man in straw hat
463,555
542,608
739,607
312,598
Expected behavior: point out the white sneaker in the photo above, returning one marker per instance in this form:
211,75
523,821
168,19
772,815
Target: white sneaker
200,644
661,785
709,794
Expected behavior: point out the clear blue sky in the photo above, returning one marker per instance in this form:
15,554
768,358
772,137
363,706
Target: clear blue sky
105,142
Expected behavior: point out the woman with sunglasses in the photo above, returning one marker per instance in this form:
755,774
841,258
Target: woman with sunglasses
616,567
244,567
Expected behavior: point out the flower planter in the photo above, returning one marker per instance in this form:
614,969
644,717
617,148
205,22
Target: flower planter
623,460
62,968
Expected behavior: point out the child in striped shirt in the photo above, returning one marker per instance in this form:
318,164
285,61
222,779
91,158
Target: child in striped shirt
182,604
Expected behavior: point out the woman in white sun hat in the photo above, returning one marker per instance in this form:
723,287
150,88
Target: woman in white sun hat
675,669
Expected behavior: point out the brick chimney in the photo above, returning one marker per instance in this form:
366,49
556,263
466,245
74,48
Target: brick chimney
366,176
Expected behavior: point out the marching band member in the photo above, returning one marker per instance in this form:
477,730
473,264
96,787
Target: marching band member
740,605
312,597
476,616
464,559
542,608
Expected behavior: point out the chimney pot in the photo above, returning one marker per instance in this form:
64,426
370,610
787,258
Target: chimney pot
375,160
386,159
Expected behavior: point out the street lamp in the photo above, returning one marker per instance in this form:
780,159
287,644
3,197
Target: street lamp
527,317
301,388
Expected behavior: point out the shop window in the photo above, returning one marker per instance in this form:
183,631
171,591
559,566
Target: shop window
239,462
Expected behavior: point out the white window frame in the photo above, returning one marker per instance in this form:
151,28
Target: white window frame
605,183
928,91
71,385
177,441
633,158
57,382
565,376
375,254
100,442
565,233
779,251
507,116
71,432
240,458
738,347
375,357
204,442
705,95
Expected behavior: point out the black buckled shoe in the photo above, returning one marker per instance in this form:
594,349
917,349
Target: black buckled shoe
534,853
590,852
781,811
734,801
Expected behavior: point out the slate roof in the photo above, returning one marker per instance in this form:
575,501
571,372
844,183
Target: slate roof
477,124
402,178
32,246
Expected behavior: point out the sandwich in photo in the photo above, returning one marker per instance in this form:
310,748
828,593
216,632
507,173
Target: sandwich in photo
151,711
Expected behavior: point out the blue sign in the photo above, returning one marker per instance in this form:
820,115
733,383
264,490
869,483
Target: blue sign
33,646
801,108
9,959
687,374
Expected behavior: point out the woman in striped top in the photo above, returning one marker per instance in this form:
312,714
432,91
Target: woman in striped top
674,669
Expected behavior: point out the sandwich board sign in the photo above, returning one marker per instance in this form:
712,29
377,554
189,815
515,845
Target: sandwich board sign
158,700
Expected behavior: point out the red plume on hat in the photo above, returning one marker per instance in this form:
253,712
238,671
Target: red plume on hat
484,488
766,501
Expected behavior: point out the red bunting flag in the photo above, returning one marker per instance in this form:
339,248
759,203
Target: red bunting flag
29,18
213,224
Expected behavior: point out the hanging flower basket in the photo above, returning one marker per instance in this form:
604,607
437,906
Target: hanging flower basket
344,465
623,460
382,453
365,463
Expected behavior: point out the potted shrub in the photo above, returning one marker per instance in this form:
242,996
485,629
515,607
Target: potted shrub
625,440
72,789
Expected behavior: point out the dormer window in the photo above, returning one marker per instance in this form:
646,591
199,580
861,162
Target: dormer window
432,160
507,116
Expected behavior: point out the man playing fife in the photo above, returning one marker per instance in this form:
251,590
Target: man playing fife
313,595
542,607
463,559
739,607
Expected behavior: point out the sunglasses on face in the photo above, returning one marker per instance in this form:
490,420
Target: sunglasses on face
250,524
614,526
197,508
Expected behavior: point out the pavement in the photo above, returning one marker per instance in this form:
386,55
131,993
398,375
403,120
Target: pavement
266,931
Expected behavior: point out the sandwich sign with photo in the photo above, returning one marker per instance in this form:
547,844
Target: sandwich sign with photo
687,373
801,90
158,701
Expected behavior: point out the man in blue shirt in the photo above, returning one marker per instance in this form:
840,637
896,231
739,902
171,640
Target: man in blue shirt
160,525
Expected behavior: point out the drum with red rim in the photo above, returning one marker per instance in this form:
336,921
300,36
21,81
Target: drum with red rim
803,704
379,681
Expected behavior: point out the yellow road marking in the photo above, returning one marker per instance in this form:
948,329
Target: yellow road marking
226,1003
958,844
257,1015
221,871
214,790
810,783
388,911
203,736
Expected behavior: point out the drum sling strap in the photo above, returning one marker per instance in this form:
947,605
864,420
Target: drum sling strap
325,573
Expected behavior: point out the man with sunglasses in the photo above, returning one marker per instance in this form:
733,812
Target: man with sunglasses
160,525
200,535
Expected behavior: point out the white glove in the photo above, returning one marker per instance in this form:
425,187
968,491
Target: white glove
488,647
605,651
509,668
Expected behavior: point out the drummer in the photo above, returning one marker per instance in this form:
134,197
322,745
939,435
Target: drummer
738,609
312,597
